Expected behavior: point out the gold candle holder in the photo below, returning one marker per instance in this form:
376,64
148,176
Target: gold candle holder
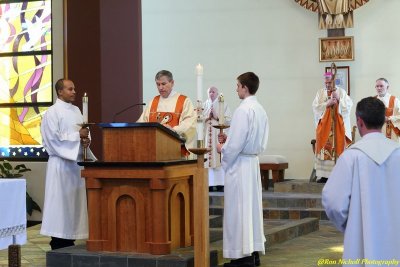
84,149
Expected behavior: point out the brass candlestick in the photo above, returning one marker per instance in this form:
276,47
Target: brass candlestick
84,149
221,128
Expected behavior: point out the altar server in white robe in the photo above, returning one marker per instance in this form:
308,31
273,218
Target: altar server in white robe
362,199
64,212
211,113
243,213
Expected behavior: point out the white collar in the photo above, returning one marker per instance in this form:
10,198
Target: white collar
376,146
170,94
63,103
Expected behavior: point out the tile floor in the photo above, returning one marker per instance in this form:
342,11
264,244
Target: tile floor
323,246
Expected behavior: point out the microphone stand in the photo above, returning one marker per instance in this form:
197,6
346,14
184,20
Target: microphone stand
125,109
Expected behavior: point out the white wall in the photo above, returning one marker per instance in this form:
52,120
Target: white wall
278,40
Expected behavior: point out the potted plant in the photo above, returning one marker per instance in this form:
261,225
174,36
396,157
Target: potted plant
7,171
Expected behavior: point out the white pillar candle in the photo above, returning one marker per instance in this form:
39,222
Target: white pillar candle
85,108
221,113
199,73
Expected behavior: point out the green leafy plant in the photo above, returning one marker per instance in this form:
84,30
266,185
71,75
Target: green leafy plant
8,171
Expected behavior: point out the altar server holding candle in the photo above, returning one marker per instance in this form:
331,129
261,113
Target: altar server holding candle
243,235
64,211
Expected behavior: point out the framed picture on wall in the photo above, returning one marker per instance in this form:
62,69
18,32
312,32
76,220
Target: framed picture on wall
342,78
336,48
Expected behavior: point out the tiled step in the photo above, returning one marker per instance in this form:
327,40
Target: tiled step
294,213
276,231
281,205
288,229
215,221
298,186
293,200
277,199
280,213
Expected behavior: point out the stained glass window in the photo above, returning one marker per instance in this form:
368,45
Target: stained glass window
25,76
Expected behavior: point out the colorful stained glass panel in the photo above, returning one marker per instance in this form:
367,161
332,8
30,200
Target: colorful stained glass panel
25,79
25,26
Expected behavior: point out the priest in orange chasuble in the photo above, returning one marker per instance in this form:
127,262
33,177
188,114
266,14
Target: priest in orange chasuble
391,128
331,107
172,109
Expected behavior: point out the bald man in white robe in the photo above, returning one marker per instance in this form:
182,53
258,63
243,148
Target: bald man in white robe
65,207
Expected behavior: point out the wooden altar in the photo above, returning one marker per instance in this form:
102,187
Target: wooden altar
140,199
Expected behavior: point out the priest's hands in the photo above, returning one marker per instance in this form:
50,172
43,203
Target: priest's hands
331,102
334,100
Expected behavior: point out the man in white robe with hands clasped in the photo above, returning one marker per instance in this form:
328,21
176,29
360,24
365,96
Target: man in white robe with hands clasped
243,234
361,197
65,207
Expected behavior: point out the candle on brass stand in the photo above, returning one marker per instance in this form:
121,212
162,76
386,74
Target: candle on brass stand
199,106
200,185
221,117
85,108
85,124
200,124
221,111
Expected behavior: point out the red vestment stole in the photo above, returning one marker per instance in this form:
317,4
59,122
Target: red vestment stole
389,125
169,118
324,135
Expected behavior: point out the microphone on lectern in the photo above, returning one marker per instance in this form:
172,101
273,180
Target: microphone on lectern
125,109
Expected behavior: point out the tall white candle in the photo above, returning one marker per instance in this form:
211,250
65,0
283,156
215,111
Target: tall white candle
85,108
199,74
200,130
221,111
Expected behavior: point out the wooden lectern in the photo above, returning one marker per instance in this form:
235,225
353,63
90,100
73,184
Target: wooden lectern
140,198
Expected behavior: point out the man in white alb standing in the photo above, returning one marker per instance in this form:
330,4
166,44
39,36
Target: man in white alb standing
65,207
243,234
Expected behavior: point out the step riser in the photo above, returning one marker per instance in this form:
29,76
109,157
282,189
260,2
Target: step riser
298,186
282,214
278,234
216,221
278,202
291,233
293,203
294,214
